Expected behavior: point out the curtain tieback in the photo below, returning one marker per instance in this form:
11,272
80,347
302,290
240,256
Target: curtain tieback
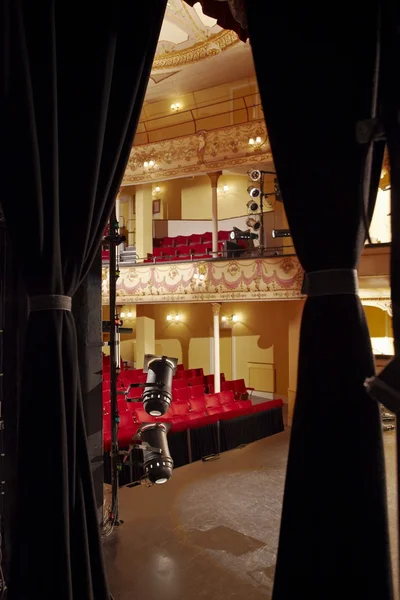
50,302
331,282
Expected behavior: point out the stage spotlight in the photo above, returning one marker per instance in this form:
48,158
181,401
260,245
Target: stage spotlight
157,461
254,174
253,223
251,205
237,234
254,191
281,233
157,395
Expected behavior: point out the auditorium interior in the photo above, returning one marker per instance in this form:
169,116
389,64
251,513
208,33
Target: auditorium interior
189,332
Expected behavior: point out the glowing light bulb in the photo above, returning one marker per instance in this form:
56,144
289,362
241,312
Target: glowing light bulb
151,163
169,317
251,141
177,317
235,318
258,140
196,276
226,188
122,314
223,318
157,188
129,315
146,164
202,277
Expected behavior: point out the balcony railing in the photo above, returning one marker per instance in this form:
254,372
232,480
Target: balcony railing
253,278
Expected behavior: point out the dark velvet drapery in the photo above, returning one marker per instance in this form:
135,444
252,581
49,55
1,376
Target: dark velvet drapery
316,76
72,85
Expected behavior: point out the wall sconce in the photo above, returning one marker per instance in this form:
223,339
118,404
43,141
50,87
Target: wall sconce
175,106
229,319
174,317
149,164
157,189
256,142
128,315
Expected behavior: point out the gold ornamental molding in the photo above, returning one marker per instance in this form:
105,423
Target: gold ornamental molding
204,49
198,153
274,278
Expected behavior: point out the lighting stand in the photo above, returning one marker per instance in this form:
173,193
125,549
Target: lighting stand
262,196
113,239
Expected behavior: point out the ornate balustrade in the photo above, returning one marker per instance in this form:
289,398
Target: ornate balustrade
274,278
198,153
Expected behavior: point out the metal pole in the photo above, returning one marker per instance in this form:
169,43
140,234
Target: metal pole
262,247
113,365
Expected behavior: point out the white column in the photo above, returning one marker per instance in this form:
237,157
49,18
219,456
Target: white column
118,205
217,367
214,209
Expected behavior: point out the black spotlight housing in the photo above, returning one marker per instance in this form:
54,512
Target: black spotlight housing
157,462
157,395
281,233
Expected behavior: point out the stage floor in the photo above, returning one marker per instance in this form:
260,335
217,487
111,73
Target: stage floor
211,532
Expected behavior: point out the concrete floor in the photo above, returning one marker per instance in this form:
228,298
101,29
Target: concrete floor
191,539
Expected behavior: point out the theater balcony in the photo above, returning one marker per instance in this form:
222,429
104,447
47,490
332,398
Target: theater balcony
247,279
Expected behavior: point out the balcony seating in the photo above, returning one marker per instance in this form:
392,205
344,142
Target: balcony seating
192,247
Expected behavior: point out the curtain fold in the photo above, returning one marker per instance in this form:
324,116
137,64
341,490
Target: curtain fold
317,78
73,79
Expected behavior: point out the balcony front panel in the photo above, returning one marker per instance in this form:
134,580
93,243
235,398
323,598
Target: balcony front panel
199,153
274,278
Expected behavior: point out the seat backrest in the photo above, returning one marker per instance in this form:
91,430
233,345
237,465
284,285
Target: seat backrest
212,400
196,390
183,394
199,380
195,238
178,409
167,241
181,240
197,404
239,385
227,385
226,397
178,384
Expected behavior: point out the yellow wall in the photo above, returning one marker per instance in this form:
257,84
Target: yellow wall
196,198
261,336
379,322
209,108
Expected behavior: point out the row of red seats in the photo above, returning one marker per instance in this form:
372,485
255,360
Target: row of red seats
197,412
183,253
194,238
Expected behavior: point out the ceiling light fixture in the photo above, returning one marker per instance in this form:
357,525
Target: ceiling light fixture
175,106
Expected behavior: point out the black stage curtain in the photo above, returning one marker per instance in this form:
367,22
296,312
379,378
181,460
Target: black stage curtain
391,112
72,87
316,76
250,428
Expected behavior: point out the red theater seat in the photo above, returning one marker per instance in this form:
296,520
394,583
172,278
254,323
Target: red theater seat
194,381
198,405
167,242
212,401
183,394
178,384
196,390
226,397
178,409
195,238
181,240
